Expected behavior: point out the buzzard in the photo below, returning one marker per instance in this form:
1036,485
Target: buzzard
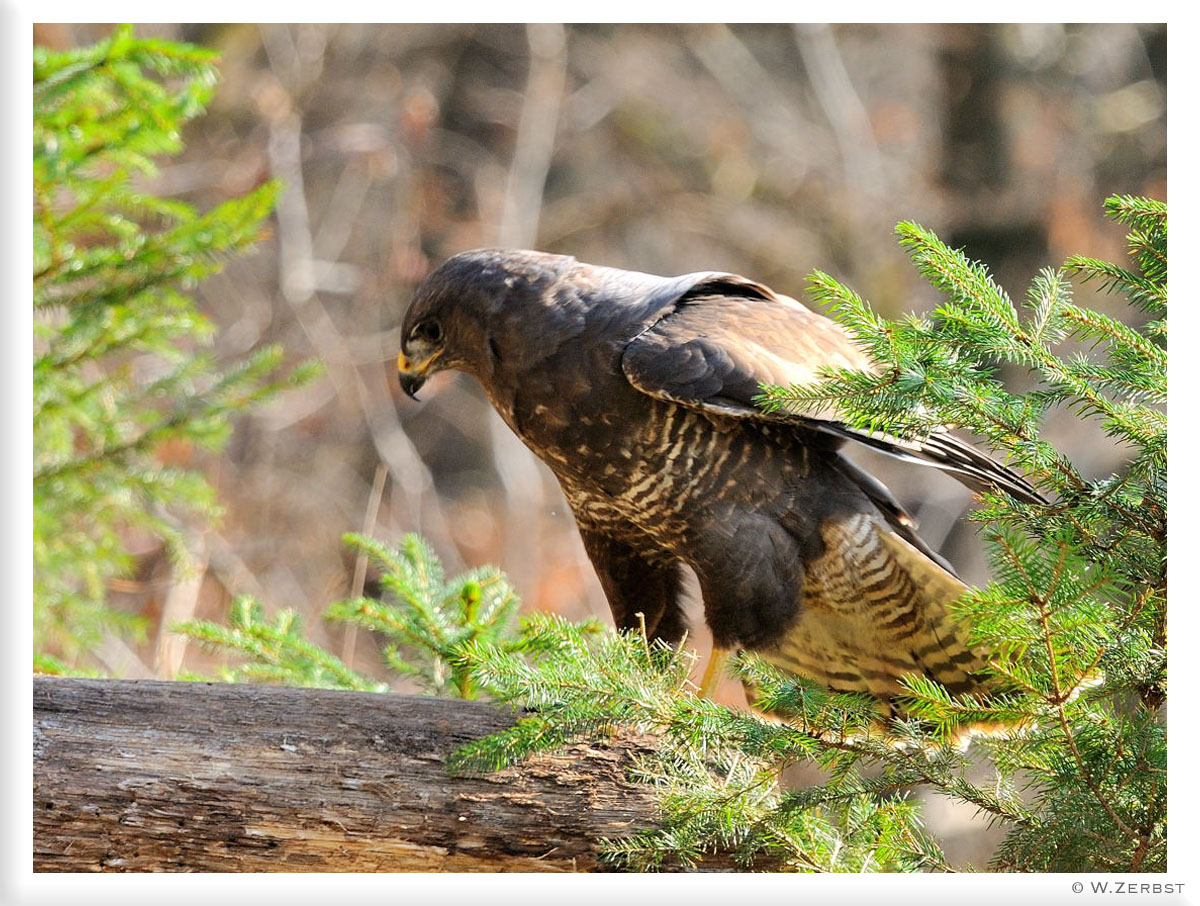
638,392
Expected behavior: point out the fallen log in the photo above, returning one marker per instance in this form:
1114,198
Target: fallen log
161,776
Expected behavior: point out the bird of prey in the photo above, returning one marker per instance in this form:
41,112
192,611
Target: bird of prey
638,392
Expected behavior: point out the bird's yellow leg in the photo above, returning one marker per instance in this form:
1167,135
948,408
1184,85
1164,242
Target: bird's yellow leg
714,672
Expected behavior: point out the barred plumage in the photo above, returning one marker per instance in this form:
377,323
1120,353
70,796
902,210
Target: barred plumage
875,609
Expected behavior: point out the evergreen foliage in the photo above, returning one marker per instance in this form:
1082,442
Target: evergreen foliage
277,650
118,376
716,769
1075,619
426,619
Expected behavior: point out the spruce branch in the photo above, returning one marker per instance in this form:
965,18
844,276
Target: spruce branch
117,374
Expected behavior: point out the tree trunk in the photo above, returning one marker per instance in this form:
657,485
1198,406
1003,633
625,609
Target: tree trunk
160,776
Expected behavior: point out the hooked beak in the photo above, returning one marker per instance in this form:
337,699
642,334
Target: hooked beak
410,384
413,374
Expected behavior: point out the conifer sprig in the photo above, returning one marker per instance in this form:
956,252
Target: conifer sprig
119,370
425,620
277,650
428,619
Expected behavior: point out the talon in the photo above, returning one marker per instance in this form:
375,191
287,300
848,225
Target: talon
714,672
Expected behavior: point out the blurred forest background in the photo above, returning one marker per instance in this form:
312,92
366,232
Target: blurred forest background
765,150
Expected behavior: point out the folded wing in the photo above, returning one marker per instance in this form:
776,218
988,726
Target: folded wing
727,336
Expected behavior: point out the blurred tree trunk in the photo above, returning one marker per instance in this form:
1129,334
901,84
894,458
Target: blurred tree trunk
159,776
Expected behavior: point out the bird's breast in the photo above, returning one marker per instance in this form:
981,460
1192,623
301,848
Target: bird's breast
625,458
660,467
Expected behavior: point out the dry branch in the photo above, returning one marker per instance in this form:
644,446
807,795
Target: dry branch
160,776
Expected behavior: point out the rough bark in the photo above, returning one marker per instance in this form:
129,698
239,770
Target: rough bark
159,776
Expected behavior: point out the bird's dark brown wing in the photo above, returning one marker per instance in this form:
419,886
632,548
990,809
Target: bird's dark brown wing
714,349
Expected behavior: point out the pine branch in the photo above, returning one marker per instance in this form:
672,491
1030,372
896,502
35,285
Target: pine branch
111,267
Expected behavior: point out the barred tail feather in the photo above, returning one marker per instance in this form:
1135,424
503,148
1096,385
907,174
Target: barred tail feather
875,610
947,656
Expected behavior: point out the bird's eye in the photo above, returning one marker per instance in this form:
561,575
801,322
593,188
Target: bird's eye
428,331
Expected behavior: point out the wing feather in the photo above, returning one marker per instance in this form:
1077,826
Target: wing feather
713,351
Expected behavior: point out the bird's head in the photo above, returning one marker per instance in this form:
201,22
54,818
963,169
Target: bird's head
422,350
462,316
